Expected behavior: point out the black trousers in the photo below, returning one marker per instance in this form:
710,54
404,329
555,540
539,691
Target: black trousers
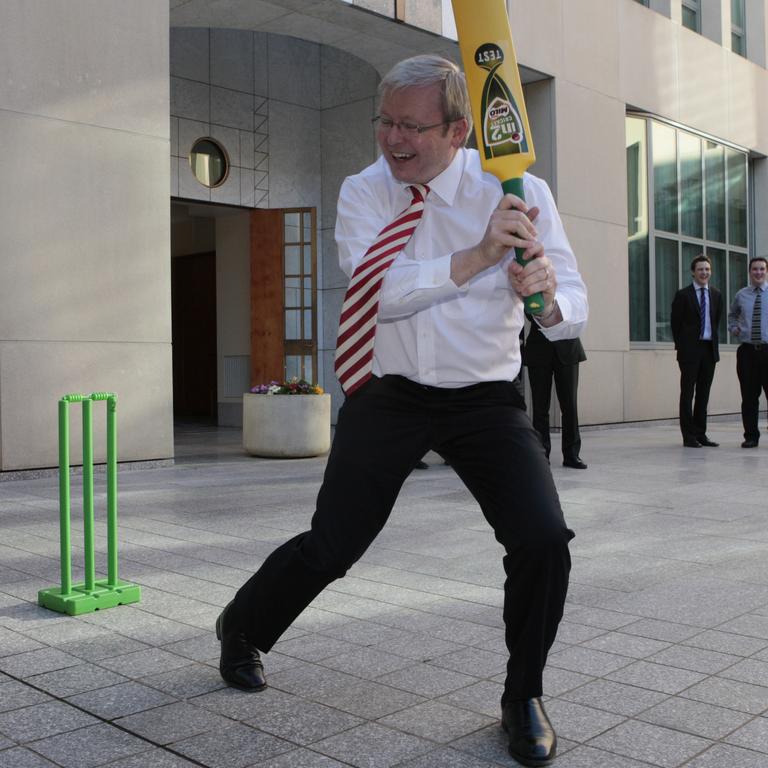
696,380
383,430
566,387
752,370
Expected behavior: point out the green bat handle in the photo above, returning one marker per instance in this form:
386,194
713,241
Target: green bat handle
534,304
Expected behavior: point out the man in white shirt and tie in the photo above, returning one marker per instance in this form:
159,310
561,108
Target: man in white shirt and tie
428,350
748,320
696,311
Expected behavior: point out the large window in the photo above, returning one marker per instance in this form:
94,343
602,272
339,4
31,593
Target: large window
692,14
686,195
299,270
738,35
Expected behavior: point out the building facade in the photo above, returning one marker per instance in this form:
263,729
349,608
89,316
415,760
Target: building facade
171,174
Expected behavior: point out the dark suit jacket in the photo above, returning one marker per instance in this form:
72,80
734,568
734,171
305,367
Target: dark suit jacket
539,350
686,323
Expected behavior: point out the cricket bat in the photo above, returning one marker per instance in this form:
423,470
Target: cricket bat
498,108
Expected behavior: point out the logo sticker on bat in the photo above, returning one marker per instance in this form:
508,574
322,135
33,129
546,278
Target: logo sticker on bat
503,131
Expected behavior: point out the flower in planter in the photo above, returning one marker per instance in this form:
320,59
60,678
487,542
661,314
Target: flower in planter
294,386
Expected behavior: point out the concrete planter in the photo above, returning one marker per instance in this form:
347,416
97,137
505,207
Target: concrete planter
286,426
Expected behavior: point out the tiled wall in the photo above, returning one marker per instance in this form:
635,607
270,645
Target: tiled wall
295,118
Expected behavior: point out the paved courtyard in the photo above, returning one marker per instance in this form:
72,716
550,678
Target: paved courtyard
662,659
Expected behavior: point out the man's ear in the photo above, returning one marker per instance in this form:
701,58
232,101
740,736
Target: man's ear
459,130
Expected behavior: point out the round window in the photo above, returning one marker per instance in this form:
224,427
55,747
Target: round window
209,162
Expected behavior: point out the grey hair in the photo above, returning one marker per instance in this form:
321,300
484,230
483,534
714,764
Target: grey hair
430,69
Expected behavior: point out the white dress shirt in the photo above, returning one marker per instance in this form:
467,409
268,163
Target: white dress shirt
429,329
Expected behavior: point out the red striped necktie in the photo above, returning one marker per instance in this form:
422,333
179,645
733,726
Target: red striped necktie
357,325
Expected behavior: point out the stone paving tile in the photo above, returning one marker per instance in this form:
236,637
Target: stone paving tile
201,648
36,662
14,695
365,633
243,706
667,631
695,717
314,647
587,661
301,758
372,746
120,700
5,743
142,663
21,757
14,642
235,747
599,618
480,663
579,723
154,758
572,633
656,745
88,747
727,642
724,756
588,757
750,625
172,722
427,680
56,632
72,680
625,645
694,659
41,720
621,699
656,677
753,735
748,671
733,694
483,697
420,647
447,758
104,646
557,681
368,663
186,682
299,721
370,700
437,721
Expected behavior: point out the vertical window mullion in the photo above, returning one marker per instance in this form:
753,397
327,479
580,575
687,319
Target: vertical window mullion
651,231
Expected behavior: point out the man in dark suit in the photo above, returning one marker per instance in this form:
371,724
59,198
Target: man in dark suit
560,360
696,312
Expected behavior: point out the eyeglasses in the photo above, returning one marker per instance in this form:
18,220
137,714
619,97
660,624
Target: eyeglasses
411,129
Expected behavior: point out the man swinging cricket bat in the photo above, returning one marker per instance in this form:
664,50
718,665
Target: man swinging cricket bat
427,352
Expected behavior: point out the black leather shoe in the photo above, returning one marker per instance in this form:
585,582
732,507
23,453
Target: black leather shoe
574,462
689,442
749,444
240,664
532,739
707,443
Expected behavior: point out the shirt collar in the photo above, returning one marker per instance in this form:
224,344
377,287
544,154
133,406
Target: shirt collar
446,184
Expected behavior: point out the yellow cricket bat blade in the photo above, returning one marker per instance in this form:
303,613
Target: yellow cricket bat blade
503,134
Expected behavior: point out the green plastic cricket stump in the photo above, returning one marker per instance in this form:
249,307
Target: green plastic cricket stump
91,594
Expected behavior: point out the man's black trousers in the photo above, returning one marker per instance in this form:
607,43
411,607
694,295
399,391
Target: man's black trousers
696,377
566,387
752,370
383,430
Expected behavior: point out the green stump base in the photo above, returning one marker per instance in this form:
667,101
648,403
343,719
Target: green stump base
80,600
